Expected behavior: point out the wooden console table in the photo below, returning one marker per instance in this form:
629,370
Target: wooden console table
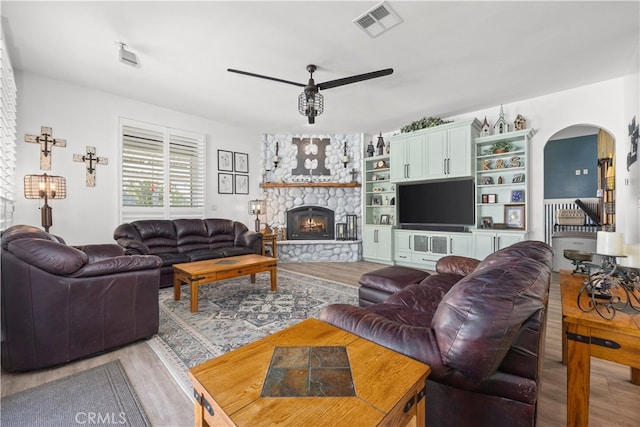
587,335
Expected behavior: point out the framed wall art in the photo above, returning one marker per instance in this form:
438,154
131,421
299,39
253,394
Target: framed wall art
225,161
241,184
514,216
225,183
241,162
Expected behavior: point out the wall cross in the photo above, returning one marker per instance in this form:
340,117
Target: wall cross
91,160
46,144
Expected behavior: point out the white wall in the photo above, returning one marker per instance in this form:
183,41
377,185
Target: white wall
609,105
88,117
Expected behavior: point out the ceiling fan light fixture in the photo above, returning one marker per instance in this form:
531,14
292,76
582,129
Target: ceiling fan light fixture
311,105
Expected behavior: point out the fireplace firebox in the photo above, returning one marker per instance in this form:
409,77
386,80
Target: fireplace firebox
310,223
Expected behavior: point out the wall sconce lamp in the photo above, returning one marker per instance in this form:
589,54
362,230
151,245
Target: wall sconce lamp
345,157
45,187
257,207
276,159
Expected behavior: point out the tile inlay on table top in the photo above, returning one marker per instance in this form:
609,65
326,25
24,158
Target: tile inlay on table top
309,371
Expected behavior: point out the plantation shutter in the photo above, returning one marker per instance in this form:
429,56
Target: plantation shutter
186,172
7,138
162,173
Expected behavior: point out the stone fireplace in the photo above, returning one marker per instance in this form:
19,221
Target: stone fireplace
310,223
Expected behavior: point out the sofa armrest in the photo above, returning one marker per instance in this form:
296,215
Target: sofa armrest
416,342
250,239
119,264
455,264
102,251
47,255
133,247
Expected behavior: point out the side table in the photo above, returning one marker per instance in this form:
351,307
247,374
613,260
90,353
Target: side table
269,239
586,335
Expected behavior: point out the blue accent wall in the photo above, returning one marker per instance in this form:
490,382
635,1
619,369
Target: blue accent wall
562,157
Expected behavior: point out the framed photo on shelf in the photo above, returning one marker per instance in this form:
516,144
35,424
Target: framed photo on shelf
518,178
487,222
241,162
485,198
225,160
514,216
487,180
384,219
241,184
376,200
492,198
225,183
517,196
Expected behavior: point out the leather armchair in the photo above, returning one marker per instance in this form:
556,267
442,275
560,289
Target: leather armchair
61,303
479,325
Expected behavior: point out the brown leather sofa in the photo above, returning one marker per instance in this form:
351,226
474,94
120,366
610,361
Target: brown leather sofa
479,325
61,303
186,240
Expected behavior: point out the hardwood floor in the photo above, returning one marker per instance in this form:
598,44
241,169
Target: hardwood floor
614,400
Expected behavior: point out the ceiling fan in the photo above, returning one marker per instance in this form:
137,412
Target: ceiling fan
310,102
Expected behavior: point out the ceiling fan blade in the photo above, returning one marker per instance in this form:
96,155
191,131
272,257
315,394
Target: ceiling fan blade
354,79
246,73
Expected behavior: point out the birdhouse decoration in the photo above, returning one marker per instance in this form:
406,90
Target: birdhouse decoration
486,129
519,123
501,125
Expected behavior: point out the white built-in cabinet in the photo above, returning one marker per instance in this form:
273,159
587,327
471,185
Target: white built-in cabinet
422,249
502,184
439,152
377,243
487,242
379,210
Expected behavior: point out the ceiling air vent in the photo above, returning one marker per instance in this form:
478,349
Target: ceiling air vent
377,20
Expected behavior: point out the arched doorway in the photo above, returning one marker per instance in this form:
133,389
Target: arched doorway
579,189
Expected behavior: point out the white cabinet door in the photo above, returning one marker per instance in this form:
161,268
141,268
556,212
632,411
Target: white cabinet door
459,152
377,244
397,160
415,158
483,244
507,239
368,242
460,244
436,155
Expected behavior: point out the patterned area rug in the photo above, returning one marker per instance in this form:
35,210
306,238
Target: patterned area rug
235,312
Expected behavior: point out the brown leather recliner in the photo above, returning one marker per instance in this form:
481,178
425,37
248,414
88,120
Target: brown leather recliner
61,303
479,325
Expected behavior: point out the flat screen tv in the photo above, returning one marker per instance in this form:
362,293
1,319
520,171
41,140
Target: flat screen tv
445,203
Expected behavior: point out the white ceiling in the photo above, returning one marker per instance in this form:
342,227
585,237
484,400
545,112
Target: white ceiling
449,57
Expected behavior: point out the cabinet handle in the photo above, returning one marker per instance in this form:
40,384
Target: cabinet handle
498,241
375,236
450,245
406,170
429,244
410,242
444,166
494,243
448,166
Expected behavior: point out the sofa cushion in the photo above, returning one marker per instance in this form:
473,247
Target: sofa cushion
170,259
392,279
478,319
235,251
191,234
158,234
203,254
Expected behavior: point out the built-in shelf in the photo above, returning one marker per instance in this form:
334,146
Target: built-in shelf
309,184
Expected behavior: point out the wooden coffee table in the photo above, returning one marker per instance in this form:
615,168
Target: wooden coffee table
202,272
311,374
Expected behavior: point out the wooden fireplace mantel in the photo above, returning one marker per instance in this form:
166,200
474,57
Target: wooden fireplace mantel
309,184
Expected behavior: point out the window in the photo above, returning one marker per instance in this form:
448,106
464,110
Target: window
162,172
7,139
